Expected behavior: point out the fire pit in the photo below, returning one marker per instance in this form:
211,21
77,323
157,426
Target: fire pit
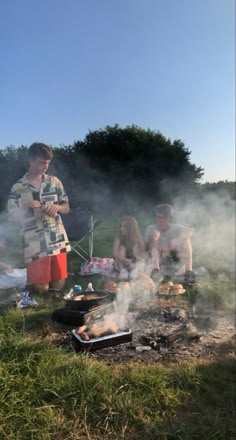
160,329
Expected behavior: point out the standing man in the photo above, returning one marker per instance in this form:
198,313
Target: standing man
36,201
169,244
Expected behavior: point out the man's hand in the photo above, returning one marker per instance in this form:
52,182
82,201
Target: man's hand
51,209
6,267
126,263
155,236
164,251
9,268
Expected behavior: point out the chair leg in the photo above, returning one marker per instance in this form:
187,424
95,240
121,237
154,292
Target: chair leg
91,245
91,238
81,253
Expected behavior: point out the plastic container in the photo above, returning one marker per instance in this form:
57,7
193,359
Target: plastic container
77,288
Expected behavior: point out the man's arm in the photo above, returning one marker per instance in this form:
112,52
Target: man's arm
52,209
63,202
5,267
187,248
182,236
148,238
63,208
16,208
14,211
184,247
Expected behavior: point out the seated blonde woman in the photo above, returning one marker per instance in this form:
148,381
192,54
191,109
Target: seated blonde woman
128,247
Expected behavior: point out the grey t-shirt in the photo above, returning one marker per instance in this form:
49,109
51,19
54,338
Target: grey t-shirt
174,232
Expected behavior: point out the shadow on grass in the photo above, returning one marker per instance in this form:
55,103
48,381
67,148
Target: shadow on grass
27,321
208,408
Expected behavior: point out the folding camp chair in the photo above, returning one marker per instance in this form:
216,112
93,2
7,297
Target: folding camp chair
80,225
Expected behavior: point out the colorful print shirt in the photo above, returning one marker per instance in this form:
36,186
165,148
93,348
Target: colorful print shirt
42,235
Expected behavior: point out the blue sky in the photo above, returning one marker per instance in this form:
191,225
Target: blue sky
169,65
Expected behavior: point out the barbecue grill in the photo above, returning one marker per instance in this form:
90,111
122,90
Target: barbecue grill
71,317
93,344
106,340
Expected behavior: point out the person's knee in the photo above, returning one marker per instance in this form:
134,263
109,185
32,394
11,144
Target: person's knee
57,284
41,288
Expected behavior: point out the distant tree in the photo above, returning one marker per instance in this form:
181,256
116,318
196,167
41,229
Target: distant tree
13,164
116,162
222,187
139,161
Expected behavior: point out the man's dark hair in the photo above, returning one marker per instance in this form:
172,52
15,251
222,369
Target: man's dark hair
164,210
40,150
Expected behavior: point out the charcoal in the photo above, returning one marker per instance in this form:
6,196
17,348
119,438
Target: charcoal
145,340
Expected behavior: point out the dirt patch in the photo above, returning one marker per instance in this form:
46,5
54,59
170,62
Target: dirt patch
208,336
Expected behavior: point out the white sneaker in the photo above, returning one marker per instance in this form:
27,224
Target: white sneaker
26,301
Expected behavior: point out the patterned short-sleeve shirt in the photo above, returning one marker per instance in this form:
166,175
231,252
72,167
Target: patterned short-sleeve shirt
42,235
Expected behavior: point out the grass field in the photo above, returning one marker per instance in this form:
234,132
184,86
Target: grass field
47,392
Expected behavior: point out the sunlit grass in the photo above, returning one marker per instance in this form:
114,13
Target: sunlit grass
46,392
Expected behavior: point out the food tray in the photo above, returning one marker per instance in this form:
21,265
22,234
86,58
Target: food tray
101,342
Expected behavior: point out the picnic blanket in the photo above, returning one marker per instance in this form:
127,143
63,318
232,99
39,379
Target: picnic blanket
97,265
105,266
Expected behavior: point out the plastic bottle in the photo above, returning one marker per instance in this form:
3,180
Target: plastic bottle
77,288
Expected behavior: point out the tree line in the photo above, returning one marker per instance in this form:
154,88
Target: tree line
115,163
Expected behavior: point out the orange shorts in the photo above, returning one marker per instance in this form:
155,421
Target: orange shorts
47,269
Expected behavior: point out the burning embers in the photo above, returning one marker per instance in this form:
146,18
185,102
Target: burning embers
157,339
97,330
100,334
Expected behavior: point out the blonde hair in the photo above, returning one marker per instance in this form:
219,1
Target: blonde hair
133,236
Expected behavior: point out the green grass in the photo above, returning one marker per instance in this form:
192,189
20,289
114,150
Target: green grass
48,393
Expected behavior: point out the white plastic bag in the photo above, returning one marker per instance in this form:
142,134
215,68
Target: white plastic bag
16,278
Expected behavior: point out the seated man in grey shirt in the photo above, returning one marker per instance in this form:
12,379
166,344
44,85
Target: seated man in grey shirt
168,244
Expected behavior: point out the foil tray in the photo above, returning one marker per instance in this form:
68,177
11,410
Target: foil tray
101,342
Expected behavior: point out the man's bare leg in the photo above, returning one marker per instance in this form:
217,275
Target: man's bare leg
41,288
57,285
185,253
